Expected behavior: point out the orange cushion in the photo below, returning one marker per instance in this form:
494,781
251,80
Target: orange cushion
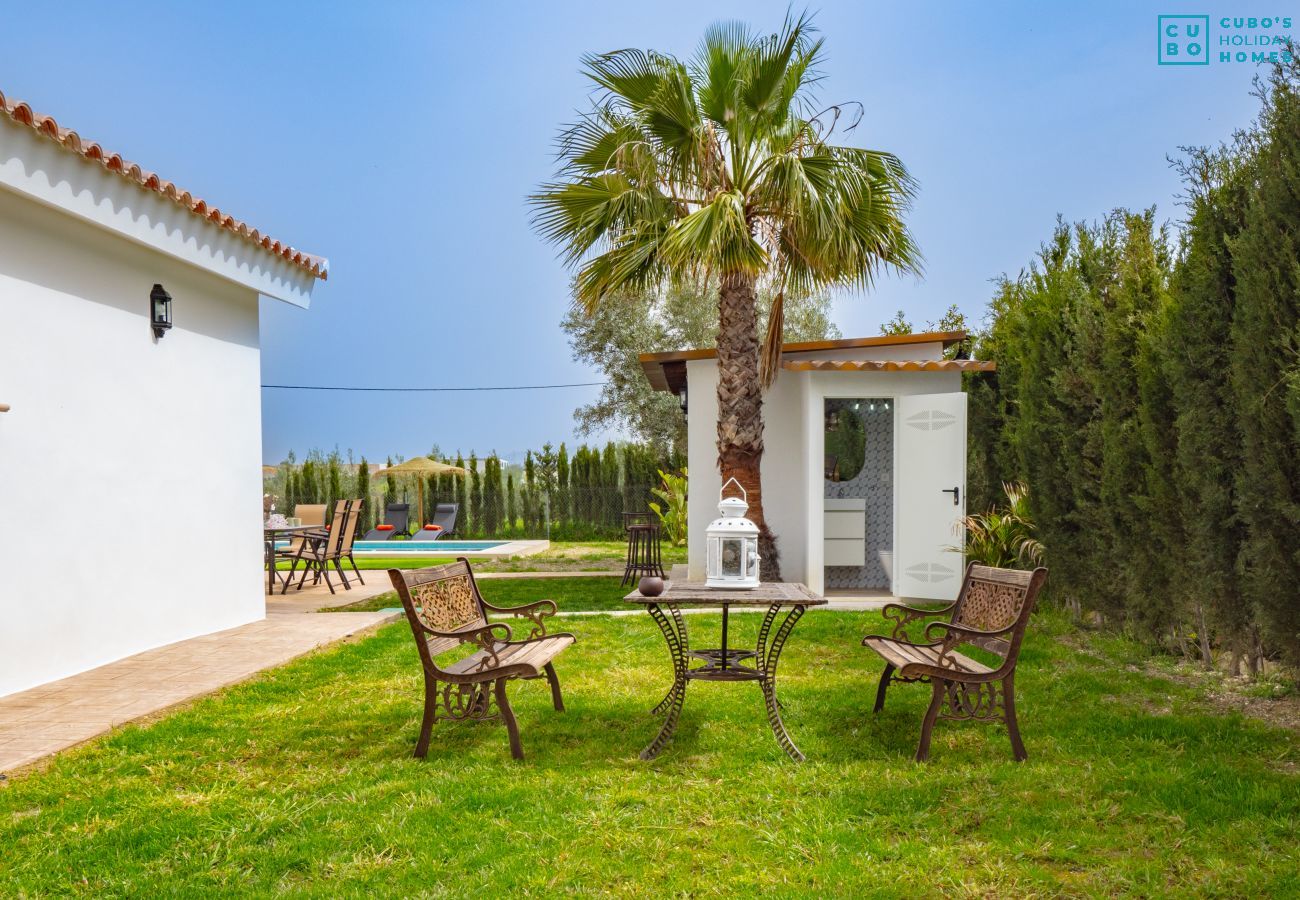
433,528
383,528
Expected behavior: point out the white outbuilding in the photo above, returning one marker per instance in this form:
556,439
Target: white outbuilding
864,463
130,407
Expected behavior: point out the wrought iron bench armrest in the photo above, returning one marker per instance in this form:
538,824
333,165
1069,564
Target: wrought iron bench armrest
965,631
536,612
901,615
472,635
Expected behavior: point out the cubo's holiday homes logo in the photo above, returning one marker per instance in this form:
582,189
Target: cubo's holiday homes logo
1182,41
1185,40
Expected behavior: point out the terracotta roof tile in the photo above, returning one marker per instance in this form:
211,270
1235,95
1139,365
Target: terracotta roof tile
889,365
47,127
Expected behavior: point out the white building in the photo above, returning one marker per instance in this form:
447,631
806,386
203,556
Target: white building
130,479
864,464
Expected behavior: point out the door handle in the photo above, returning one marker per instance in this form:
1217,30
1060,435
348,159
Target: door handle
956,494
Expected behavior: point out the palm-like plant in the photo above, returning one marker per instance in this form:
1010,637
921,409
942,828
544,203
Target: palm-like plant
1003,537
722,167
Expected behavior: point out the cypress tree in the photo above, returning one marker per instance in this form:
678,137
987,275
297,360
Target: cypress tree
362,491
1150,538
563,510
530,500
1048,436
474,523
1265,364
462,497
1198,366
990,461
511,513
333,484
492,506
609,478
390,487
309,482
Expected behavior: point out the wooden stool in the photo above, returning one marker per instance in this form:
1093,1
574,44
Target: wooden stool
643,548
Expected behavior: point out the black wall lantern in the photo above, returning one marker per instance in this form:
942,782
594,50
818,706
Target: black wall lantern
681,399
160,310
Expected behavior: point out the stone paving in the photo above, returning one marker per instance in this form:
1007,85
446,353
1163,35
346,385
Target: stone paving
44,720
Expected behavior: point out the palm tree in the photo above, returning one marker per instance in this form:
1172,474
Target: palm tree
721,167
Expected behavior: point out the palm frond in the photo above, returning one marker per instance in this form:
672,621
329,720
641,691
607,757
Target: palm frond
722,165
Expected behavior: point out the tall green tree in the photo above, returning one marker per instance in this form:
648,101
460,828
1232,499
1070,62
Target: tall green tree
725,164
462,498
1198,365
333,483
390,487
530,505
361,490
472,516
512,514
1265,363
563,503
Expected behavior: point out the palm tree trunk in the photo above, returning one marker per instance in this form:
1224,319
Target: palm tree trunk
740,406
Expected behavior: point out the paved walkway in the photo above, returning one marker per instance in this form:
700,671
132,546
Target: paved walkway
44,720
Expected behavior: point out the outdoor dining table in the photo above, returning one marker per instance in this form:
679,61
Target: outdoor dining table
726,663
271,534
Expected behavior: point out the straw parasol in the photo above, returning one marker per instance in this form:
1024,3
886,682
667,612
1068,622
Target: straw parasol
420,467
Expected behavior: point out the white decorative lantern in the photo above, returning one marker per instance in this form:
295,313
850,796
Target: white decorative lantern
732,543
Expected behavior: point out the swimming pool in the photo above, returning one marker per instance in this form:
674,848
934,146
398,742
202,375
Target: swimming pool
427,547
423,548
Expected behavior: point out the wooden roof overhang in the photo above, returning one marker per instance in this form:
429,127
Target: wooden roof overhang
667,371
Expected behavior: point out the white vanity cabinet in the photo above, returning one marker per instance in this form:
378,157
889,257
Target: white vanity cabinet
844,532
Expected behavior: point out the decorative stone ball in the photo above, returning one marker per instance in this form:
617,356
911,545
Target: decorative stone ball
650,586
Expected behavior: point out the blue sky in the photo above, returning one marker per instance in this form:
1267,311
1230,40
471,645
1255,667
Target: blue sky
400,140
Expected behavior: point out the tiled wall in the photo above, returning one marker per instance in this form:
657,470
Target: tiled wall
875,484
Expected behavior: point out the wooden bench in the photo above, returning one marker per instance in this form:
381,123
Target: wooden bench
445,610
991,613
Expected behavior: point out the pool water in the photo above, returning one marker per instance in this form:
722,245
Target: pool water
439,547
426,548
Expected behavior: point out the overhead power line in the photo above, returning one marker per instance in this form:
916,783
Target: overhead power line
505,387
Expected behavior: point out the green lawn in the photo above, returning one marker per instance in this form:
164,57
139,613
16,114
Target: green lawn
561,556
573,594
301,782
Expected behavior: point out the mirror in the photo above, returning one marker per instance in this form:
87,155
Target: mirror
846,440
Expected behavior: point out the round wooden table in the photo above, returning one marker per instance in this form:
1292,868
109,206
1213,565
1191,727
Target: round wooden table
725,663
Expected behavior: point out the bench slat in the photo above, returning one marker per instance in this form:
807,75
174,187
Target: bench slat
534,654
899,654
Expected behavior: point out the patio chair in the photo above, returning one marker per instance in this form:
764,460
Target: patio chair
311,514
345,545
444,515
445,610
430,532
990,613
396,521
319,551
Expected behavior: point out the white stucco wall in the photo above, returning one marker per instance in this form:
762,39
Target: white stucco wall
793,437
784,461
40,169
130,488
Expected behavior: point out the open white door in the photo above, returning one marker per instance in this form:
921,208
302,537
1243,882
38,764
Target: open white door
931,490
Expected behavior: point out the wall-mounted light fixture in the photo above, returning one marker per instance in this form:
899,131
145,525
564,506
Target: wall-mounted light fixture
681,398
160,310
